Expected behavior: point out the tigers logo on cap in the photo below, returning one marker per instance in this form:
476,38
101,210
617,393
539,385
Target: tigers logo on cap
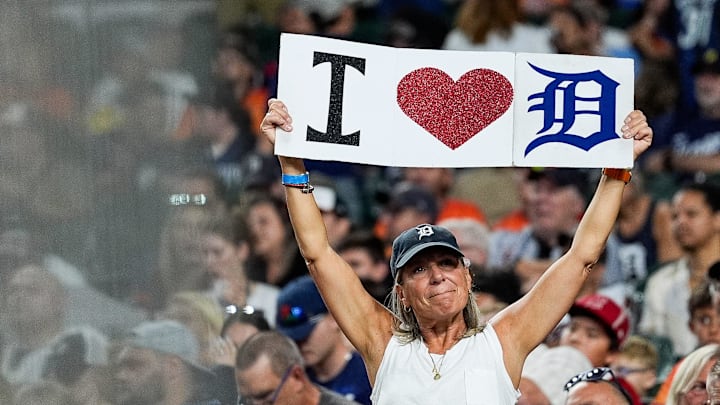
414,240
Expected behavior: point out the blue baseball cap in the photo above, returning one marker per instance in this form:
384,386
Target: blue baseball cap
299,308
414,240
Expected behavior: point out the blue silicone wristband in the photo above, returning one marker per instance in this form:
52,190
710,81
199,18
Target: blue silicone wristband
295,179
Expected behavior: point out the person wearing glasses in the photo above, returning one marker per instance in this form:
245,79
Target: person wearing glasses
236,329
597,386
430,347
704,324
270,370
637,363
688,386
713,385
329,361
596,328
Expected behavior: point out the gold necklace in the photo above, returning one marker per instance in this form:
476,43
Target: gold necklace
436,369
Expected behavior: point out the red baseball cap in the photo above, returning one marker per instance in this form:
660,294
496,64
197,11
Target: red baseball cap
603,309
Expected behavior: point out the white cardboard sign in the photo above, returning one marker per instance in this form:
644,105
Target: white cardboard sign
386,106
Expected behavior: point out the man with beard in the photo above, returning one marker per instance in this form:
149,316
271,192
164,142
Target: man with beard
696,227
157,365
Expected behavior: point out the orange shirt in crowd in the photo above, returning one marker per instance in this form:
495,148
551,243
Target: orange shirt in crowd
457,208
515,221
664,389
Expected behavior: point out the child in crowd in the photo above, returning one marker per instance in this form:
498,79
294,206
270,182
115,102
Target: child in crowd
637,364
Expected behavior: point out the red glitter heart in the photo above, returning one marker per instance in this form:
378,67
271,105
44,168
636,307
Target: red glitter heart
451,111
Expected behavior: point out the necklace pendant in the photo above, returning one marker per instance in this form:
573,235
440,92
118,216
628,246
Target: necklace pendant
436,376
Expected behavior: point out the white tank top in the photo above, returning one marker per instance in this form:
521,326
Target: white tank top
472,372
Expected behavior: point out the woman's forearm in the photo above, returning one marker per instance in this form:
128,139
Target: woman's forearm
306,219
598,220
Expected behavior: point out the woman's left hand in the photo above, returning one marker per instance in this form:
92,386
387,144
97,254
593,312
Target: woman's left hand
636,128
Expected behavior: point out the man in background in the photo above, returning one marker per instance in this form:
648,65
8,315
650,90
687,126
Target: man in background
270,369
328,357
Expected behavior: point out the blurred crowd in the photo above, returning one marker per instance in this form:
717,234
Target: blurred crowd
146,253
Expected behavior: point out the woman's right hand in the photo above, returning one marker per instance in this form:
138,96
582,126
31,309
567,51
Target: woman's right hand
277,116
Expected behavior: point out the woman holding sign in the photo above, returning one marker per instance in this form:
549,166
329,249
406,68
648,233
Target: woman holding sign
431,348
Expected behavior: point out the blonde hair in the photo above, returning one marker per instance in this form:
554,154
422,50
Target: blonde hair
640,349
199,313
689,370
405,324
207,308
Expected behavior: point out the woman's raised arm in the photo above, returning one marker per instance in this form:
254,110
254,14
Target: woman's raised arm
366,323
525,324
